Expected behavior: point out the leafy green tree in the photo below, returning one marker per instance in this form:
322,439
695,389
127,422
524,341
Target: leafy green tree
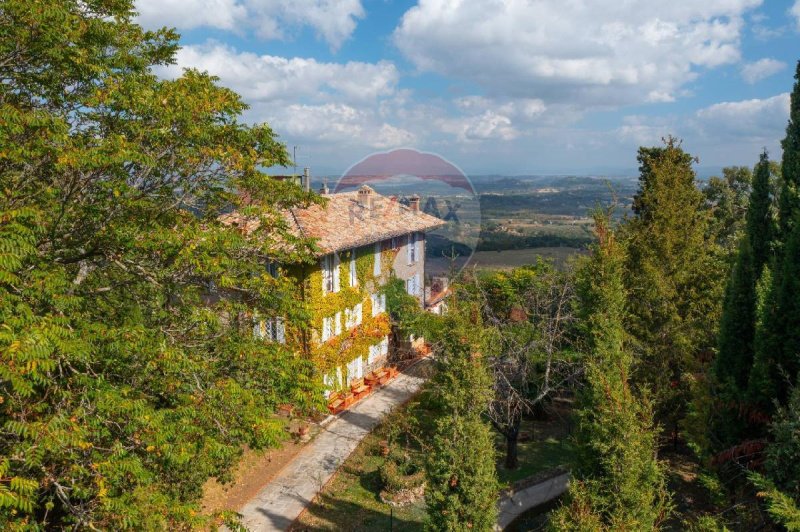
619,482
673,278
462,479
530,312
727,197
129,374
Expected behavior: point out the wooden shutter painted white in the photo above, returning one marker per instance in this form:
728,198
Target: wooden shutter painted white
353,273
376,266
335,272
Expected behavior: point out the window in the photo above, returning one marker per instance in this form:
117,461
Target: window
327,328
353,273
353,316
378,304
355,369
411,248
374,353
272,269
327,382
376,265
330,273
385,345
413,285
271,330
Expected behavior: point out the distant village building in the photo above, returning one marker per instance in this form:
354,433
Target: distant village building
364,239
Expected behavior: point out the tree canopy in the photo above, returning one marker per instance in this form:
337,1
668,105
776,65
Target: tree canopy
129,372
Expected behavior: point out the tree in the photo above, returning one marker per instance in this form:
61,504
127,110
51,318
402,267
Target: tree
672,276
783,452
462,479
776,361
529,312
126,381
789,201
737,334
727,198
619,484
778,340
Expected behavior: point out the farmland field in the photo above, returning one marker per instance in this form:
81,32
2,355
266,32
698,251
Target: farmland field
507,259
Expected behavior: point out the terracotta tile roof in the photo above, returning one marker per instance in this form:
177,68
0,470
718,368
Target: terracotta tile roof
346,221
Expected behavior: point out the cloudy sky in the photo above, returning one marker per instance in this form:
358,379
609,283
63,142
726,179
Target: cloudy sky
500,86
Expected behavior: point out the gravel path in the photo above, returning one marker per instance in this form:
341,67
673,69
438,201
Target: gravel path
281,501
517,503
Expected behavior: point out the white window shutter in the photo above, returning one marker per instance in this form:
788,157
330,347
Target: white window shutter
335,272
417,285
410,248
372,353
359,313
375,300
376,266
280,329
258,331
383,302
353,274
418,244
338,323
327,328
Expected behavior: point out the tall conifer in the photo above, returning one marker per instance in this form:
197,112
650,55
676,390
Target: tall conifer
619,483
778,340
462,479
673,277
789,201
737,329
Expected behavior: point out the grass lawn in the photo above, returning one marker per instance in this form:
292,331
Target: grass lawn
351,500
548,447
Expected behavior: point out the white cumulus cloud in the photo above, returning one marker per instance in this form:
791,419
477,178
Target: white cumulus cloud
599,53
267,77
333,20
306,100
756,120
795,12
338,124
761,69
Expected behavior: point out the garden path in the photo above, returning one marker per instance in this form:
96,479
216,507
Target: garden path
285,497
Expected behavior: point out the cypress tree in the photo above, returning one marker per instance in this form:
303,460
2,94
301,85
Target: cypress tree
673,277
789,201
737,328
461,472
619,483
777,350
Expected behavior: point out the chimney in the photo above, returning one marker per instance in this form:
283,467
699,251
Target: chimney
413,203
307,179
366,197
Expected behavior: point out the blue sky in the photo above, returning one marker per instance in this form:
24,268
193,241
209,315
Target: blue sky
500,86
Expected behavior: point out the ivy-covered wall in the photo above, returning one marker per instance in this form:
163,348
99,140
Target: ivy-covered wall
341,349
